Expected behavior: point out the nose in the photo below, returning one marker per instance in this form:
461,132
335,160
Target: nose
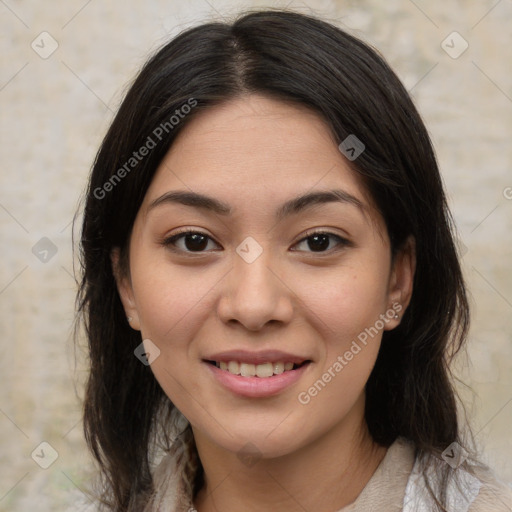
255,294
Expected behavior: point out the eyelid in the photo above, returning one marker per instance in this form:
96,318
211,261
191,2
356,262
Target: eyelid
169,241
342,241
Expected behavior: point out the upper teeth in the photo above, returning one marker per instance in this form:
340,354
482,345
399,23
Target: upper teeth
250,370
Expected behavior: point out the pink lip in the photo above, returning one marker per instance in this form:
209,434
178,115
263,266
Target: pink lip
267,356
256,387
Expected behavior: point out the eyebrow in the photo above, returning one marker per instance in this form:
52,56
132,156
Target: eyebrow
290,207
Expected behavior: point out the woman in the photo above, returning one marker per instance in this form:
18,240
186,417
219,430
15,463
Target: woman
271,291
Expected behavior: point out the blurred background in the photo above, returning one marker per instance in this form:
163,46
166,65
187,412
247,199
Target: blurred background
65,68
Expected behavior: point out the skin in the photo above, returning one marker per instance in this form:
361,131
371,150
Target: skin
255,153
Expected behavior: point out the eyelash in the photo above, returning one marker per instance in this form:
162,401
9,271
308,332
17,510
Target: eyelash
170,241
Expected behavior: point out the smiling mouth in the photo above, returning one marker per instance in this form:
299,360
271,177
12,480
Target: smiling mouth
264,370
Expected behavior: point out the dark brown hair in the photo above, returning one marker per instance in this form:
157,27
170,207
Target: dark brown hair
299,58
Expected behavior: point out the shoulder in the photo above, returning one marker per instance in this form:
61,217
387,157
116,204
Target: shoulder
169,492
494,494
166,486
469,488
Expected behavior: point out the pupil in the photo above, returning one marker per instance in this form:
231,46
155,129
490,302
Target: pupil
197,243
320,246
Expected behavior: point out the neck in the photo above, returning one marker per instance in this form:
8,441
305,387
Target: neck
327,474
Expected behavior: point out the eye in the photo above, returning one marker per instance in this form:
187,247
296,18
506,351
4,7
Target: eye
193,241
319,241
197,241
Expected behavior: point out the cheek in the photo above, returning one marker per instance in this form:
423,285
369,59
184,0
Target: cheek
170,300
346,309
332,307
172,304
337,383
345,301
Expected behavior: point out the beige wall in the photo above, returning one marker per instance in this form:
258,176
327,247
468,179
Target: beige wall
54,112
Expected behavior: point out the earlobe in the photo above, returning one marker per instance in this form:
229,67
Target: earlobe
125,290
402,279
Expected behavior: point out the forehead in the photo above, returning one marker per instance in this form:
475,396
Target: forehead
255,152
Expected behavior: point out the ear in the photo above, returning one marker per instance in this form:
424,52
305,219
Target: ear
124,287
401,281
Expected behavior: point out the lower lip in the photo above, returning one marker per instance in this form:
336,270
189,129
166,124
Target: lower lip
257,387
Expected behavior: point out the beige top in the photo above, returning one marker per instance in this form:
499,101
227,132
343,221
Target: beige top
394,487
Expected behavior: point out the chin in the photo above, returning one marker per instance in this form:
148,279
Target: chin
262,448
261,443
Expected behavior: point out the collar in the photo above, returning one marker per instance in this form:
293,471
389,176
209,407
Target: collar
386,487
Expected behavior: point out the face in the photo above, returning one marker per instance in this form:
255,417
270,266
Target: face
269,314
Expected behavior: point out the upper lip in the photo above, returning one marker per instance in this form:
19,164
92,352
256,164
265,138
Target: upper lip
265,356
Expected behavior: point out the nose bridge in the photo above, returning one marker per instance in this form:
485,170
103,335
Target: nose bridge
255,294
